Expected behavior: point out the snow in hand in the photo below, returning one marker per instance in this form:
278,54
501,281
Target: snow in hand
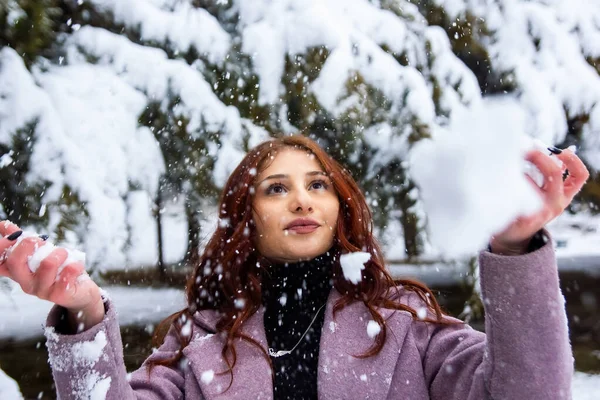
353,264
472,178
42,251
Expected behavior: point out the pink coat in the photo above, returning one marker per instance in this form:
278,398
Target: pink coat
526,354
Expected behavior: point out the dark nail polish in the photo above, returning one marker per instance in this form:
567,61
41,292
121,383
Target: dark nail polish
44,237
554,150
14,235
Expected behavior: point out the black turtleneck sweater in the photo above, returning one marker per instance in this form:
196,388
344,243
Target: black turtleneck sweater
292,296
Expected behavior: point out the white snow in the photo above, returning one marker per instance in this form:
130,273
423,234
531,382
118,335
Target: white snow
207,376
352,265
93,386
472,181
9,389
82,105
88,353
88,137
177,23
23,315
373,329
42,252
99,389
585,386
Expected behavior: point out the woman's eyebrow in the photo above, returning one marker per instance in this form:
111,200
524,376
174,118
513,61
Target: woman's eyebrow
317,173
285,176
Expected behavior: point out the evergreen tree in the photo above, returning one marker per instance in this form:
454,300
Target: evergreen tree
30,26
20,199
444,57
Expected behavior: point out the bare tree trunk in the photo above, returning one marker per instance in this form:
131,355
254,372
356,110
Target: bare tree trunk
410,223
473,308
162,270
192,253
411,233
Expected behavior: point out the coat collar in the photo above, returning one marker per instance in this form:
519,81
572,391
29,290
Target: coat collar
340,375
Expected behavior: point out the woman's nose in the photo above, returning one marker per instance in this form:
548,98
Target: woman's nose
301,201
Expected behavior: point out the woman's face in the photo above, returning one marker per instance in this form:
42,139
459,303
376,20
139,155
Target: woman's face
295,208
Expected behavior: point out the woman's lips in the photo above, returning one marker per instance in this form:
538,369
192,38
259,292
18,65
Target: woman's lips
303,229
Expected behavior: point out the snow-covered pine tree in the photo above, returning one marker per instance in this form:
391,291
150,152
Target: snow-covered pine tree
368,78
30,26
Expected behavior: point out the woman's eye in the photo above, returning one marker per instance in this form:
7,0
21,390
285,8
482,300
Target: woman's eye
275,189
318,185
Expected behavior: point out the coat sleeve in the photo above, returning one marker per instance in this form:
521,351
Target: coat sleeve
525,353
90,364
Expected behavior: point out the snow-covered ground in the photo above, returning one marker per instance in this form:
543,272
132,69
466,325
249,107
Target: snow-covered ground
586,386
9,389
23,316
576,239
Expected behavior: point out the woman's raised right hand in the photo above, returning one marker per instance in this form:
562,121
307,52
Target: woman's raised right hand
81,297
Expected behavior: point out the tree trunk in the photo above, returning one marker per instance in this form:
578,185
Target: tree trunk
162,270
410,223
192,254
411,233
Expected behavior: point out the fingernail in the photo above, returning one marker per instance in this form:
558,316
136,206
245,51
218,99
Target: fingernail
44,237
554,150
14,235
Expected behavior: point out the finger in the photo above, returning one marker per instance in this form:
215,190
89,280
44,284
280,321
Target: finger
8,241
578,173
16,263
4,271
46,274
76,268
65,285
7,227
535,186
552,172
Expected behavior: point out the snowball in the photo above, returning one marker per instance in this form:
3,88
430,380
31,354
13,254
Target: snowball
43,250
535,174
352,264
472,177
373,329
207,376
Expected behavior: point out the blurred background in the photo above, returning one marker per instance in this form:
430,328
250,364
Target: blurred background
120,120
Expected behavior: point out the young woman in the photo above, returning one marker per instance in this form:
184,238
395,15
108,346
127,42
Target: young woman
271,315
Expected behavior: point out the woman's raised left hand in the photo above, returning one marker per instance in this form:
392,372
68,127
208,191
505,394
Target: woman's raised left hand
556,195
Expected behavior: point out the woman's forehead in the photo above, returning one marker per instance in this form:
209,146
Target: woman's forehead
291,161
